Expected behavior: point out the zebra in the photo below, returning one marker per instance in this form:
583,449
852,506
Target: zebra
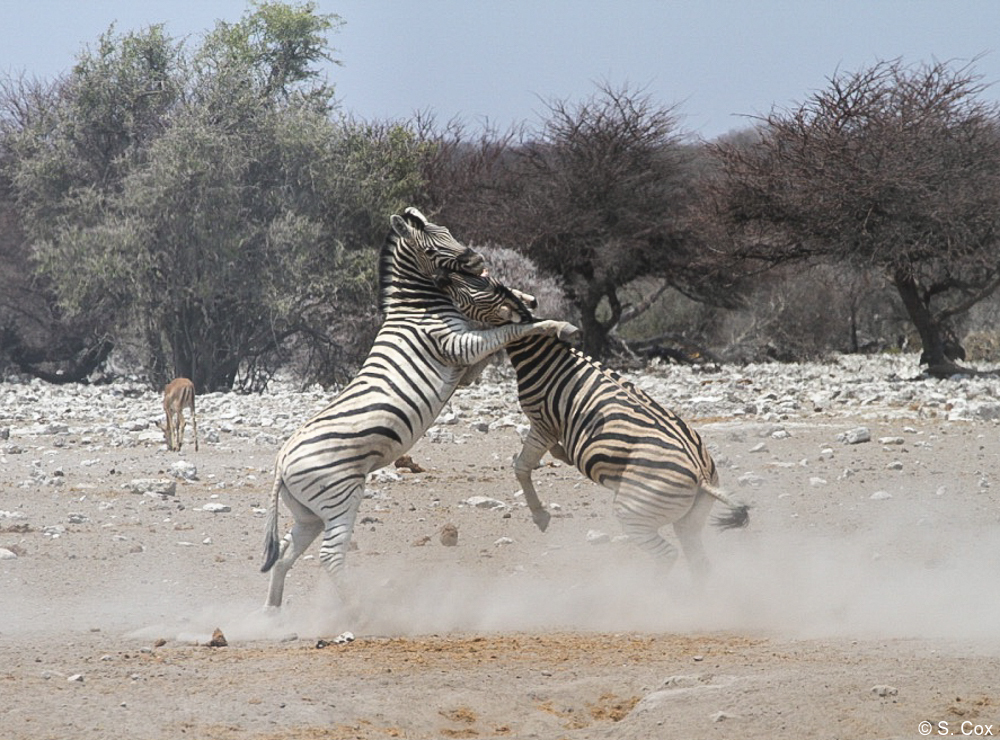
587,415
422,350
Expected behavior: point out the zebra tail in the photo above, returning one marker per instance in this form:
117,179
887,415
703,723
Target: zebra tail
272,545
736,518
738,515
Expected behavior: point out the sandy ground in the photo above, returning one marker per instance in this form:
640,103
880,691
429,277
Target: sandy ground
861,602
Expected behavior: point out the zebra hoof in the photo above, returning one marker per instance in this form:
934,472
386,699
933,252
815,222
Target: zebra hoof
541,519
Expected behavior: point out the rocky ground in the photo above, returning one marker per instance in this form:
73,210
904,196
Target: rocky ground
861,601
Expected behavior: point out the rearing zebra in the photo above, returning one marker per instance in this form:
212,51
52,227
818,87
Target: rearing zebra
421,352
615,434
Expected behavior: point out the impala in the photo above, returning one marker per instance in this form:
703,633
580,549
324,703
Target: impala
178,395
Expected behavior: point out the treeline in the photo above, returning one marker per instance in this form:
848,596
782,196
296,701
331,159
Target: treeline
210,211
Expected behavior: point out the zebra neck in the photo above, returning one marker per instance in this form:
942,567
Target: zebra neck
403,287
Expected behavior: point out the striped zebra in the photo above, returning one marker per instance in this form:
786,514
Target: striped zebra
423,348
587,415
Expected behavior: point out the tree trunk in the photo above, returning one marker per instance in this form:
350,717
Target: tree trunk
595,336
932,336
596,342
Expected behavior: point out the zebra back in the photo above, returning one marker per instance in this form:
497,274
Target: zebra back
603,421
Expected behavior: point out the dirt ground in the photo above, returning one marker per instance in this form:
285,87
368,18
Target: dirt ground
861,602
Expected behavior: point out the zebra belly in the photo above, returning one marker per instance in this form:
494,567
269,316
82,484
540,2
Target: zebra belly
335,450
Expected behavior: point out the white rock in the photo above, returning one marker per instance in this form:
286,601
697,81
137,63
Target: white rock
885,690
680,682
484,502
750,479
596,537
183,470
216,508
153,486
855,436
6,554
880,496
385,475
439,436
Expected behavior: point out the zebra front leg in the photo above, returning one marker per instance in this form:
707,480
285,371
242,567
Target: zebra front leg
526,461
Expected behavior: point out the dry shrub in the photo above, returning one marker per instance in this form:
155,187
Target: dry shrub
518,271
798,313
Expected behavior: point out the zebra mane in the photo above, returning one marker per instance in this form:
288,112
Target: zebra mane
399,272
386,267
406,270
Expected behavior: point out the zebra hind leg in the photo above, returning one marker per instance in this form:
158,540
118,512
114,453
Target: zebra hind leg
644,531
688,529
306,529
336,539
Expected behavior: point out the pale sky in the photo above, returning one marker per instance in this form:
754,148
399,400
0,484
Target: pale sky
717,61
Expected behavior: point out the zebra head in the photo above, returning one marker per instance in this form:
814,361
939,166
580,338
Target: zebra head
485,299
434,246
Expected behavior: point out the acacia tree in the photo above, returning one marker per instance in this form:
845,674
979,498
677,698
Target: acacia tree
603,197
64,147
207,208
894,167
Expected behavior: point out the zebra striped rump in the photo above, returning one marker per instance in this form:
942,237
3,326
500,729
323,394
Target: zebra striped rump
621,438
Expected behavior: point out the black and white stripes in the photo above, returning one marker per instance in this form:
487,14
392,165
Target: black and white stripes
422,351
657,466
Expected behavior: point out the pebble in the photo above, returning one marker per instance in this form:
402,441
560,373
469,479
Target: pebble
855,436
152,487
885,690
484,502
596,537
184,470
680,682
449,535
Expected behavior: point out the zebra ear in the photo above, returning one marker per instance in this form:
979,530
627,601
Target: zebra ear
402,229
415,218
442,279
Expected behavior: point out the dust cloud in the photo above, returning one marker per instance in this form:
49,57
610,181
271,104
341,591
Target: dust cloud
897,582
